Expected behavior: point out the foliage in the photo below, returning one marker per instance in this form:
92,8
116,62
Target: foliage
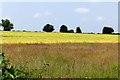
48,28
8,71
7,25
63,28
108,30
71,31
116,33
78,30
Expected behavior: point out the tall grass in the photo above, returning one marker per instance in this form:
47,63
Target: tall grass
83,60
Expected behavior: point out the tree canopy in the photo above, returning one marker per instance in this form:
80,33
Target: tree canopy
6,24
78,30
63,28
107,30
48,28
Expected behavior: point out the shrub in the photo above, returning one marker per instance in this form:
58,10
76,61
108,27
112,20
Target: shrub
24,31
116,33
71,31
8,71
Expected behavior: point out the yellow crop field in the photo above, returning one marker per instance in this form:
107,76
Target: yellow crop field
56,37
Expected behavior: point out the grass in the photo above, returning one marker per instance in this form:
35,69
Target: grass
43,37
62,55
65,60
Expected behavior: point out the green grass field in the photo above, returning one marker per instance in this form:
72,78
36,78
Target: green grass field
43,37
66,55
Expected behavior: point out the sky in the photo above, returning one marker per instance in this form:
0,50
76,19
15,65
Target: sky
89,16
59,0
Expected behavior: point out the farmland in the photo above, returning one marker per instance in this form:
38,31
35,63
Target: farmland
62,55
43,37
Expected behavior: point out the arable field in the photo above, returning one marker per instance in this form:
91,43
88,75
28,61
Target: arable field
62,55
43,37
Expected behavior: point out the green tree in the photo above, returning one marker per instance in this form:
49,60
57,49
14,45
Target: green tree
78,30
48,28
107,30
63,28
6,24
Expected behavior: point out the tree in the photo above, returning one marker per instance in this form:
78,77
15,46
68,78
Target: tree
71,31
48,28
78,30
107,30
7,25
63,28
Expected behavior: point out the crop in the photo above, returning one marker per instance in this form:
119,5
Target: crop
43,37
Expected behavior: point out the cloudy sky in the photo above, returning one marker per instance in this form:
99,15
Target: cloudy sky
89,16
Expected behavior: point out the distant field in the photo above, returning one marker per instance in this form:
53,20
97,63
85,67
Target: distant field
43,37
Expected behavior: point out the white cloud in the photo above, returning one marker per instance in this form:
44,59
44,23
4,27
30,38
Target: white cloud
101,18
37,15
82,10
43,14
7,17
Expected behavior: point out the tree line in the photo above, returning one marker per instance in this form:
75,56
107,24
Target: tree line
63,28
8,26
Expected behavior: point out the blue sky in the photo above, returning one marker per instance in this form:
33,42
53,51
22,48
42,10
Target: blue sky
89,16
